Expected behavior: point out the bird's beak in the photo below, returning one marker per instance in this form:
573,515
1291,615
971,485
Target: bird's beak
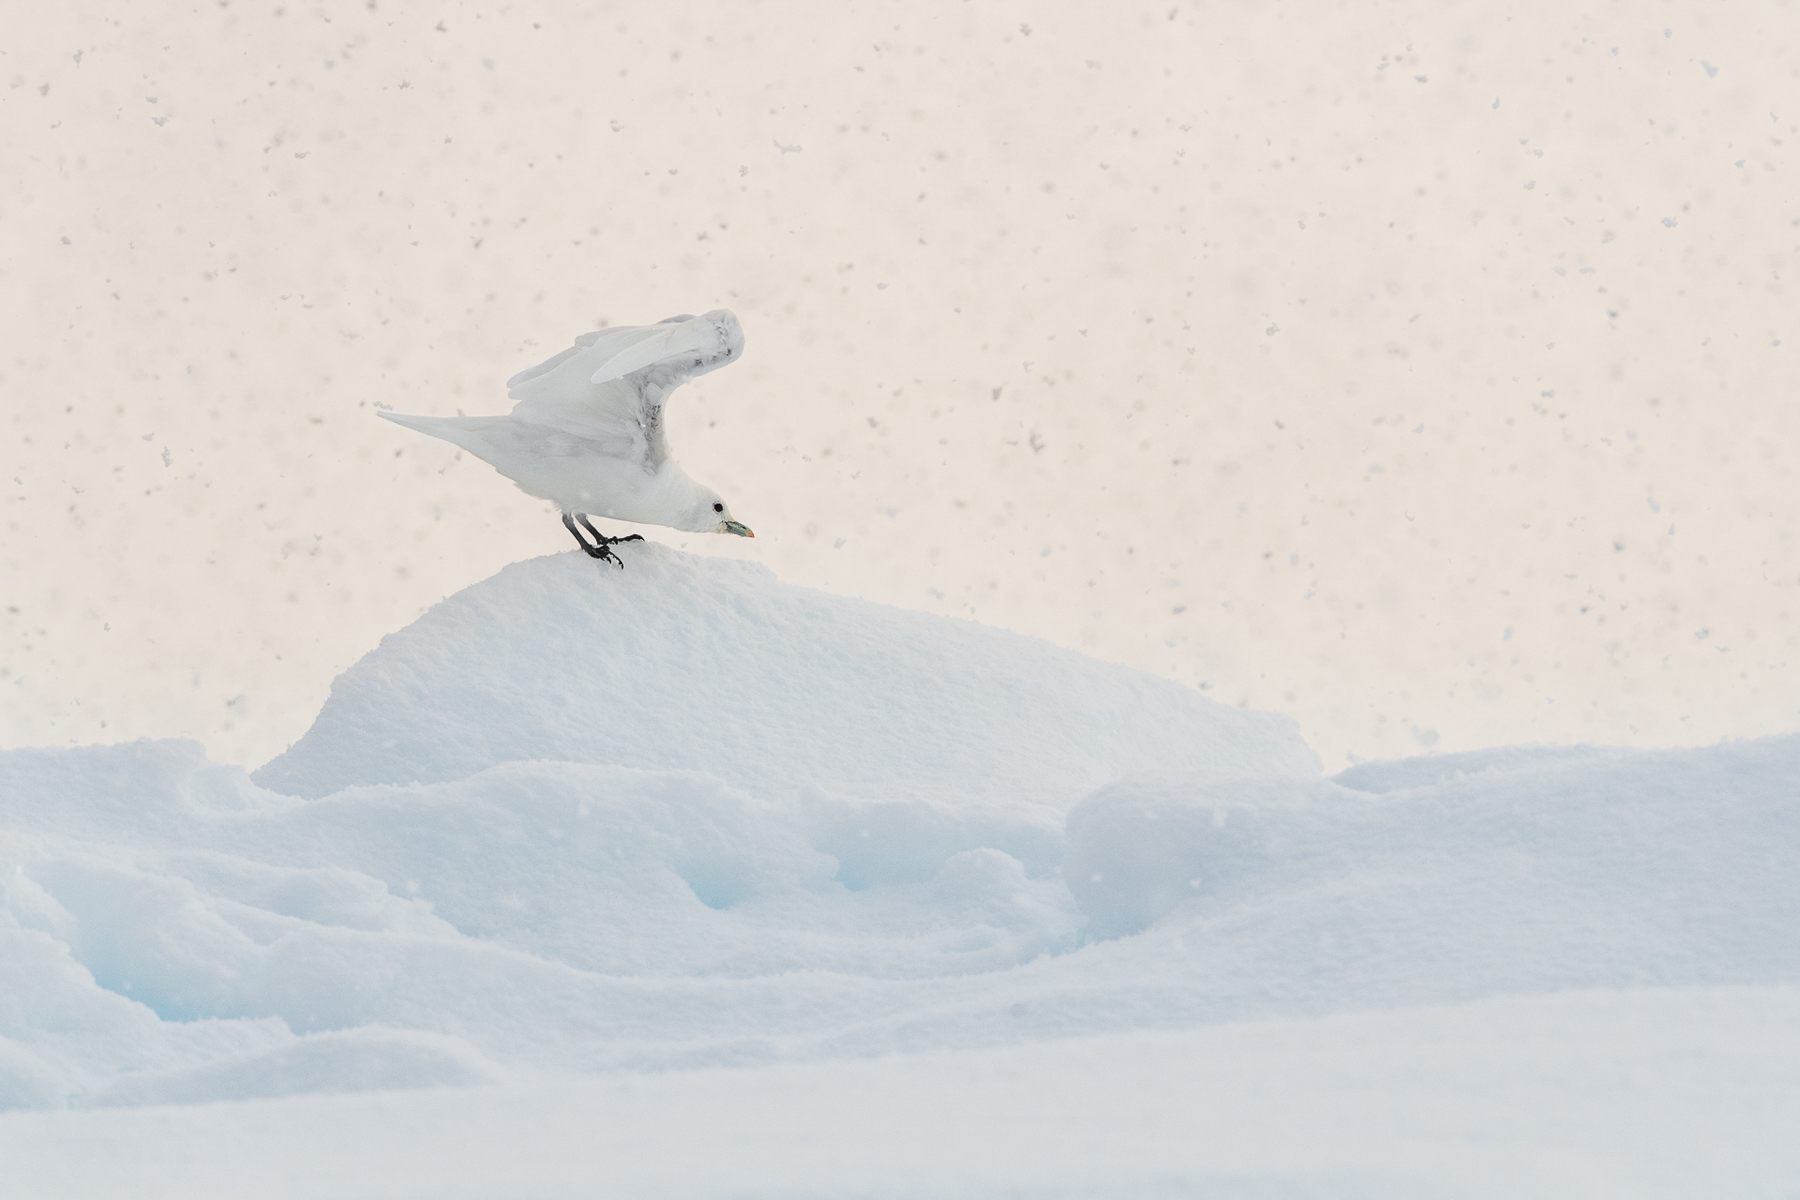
734,527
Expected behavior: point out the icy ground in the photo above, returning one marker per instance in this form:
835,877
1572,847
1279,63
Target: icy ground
680,881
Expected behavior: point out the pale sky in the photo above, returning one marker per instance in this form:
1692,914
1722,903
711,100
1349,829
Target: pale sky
1422,371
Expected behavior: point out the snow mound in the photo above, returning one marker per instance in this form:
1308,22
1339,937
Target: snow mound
682,662
1650,868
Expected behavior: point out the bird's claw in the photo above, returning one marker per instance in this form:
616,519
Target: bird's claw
600,546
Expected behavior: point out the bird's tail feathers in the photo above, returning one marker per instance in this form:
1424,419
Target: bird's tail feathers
467,432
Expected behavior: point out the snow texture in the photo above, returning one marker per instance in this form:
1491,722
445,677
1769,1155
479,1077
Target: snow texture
585,867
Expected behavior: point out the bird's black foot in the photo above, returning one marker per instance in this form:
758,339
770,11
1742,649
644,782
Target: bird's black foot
600,547
603,554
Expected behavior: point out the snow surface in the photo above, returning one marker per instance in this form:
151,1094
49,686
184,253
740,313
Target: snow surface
681,881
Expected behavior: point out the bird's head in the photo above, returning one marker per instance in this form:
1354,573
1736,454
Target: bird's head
712,515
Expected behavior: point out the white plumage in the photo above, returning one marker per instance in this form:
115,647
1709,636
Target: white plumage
586,431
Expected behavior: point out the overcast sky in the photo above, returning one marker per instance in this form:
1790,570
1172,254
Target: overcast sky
1426,373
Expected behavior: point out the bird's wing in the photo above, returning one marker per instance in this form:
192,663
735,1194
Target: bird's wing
611,384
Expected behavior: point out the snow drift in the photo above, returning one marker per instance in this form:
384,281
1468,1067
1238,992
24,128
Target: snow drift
575,823
683,663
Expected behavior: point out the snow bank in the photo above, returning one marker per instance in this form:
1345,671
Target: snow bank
1637,839
578,823
687,663
1536,873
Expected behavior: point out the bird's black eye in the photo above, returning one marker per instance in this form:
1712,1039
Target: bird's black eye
717,507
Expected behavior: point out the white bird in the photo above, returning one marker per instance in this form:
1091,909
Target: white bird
587,430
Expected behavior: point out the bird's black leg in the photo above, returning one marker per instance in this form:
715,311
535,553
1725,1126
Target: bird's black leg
600,539
569,524
595,551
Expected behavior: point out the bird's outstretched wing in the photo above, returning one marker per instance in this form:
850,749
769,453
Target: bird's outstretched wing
610,386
